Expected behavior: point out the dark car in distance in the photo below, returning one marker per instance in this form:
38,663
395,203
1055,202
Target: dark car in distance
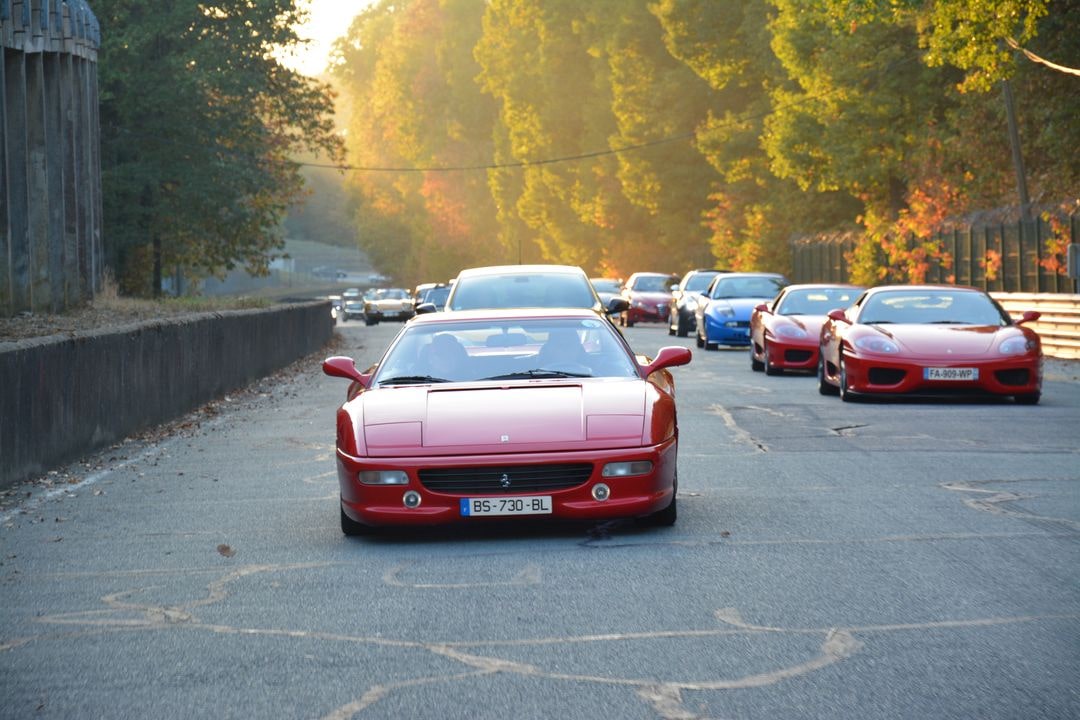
685,299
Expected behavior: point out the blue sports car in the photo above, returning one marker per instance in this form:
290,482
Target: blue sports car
724,317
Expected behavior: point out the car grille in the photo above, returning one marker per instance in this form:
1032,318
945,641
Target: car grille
1015,376
521,478
797,356
885,376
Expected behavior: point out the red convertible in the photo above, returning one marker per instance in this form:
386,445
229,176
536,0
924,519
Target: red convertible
929,340
483,414
784,332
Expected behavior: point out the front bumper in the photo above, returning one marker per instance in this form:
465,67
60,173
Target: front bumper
635,496
728,331
871,375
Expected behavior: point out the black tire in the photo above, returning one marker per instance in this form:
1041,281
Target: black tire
769,368
1028,398
824,386
352,528
845,393
700,342
755,364
667,516
683,326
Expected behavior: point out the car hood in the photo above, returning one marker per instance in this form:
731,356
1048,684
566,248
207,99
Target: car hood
742,306
810,323
957,341
492,418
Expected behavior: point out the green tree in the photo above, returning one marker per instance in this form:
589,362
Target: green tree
199,122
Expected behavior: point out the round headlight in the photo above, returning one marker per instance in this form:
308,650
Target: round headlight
1017,346
877,344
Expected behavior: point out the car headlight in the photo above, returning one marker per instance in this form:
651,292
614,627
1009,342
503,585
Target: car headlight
1017,346
627,469
383,477
790,331
691,304
724,310
877,344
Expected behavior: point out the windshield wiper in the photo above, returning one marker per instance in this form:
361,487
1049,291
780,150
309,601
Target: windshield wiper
949,322
412,380
538,373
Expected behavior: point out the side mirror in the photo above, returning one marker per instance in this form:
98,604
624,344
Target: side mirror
617,305
425,308
839,316
1029,316
668,357
674,288
763,308
344,367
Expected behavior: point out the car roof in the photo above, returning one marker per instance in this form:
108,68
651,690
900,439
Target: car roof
519,269
503,314
924,287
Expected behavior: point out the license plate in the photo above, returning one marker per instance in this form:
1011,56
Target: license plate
961,374
531,505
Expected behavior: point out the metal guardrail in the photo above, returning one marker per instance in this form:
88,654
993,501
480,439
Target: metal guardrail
1059,326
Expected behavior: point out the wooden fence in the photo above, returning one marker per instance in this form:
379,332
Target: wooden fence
1003,257
51,253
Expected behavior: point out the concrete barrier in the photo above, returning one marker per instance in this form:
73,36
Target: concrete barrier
62,397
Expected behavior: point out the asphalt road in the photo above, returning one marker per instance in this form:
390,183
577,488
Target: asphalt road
831,560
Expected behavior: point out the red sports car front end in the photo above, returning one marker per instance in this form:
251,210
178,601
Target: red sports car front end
542,414
568,486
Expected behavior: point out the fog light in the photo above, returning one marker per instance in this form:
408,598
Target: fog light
411,499
626,469
601,492
383,477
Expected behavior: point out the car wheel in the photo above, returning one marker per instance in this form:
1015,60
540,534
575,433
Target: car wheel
824,386
845,393
699,340
1028,398
667,516
352,528
683,325
770,368
755,364
628,322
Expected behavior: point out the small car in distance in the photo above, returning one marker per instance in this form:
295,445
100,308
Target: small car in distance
606,288
430,294
648,295
723,316
785,333
526,286
475,415
684,300
929,340
388,304
352,304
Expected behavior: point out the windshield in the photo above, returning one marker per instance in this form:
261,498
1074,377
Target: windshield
653,283
747,287
539,290
946,307
699,282
506,349
816,301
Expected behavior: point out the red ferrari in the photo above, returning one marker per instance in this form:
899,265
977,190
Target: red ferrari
486,414
929,340
784,333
